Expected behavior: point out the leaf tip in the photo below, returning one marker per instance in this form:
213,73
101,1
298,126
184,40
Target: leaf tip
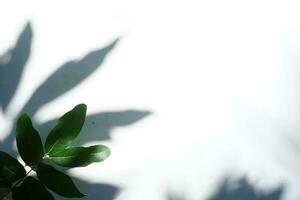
81,106
24,115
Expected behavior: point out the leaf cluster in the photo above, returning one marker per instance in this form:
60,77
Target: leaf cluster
15,180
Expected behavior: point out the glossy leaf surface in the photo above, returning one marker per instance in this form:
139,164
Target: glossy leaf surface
67,129
80,156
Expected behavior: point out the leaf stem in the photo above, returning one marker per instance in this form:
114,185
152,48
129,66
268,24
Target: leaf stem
45,156
22,179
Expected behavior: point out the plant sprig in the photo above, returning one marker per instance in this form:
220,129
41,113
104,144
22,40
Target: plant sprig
57,150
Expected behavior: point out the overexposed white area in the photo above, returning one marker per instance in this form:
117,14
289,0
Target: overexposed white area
221,78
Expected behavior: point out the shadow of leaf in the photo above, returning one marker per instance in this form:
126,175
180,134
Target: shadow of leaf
237,190
242,189
12,65
98,126
67,77
94,191
171,196
62,80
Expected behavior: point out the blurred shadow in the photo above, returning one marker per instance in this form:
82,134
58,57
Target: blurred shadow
242,189
237,190
171,196
94,191
61,81
67,77
12,65
97,126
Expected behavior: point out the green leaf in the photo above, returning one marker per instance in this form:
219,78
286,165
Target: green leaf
29,142
31,189
18,193
10,169
104,122
4,188
57,181
67,129
80,156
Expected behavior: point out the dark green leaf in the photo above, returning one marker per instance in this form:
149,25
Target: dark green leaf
10,169
18,193
31,189
57,181
67,129
29,142
80,156
4,188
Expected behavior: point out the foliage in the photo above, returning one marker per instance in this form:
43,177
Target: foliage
63,80
16,181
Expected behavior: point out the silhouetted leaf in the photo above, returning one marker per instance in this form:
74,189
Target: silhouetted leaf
80,156
67,77
18,193
57,181
67,129
29,143
31,189
12,65
98,126
4,188
10,169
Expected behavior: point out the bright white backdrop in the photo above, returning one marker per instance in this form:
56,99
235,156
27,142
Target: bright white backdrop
221,79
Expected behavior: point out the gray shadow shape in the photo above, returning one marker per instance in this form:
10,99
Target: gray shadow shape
12,65
67,77
98,126
237,190
171,196
7,143
94,191
61,81
242,189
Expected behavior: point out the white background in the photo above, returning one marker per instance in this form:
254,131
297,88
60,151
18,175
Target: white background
221,79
